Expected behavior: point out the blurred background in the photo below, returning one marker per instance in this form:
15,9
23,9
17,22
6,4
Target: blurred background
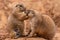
48,7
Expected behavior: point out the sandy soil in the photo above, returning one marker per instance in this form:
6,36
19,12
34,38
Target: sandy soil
57,37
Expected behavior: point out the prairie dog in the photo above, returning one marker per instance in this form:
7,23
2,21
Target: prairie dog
16,21
42,25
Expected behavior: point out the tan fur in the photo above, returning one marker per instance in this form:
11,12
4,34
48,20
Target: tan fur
42,25
16,21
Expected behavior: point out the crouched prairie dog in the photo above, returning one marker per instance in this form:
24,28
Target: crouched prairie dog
39,24
16,21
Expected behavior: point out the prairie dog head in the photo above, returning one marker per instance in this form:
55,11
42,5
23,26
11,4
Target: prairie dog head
19,12
20,7
30,13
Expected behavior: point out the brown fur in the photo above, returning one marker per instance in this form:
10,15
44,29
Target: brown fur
39,24
16,21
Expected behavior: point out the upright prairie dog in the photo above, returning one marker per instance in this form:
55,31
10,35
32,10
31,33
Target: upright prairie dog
16,21
39,24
